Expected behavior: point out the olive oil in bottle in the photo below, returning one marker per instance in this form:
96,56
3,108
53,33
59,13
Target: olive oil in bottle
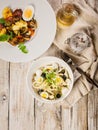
66,15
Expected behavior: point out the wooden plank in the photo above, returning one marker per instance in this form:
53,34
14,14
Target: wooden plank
75,118
27,113
4,94
80,114
93,110
48,117
66,119
21,102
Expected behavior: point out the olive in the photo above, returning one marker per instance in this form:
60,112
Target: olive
58,95
66,86
64,77
43,75
40,91
62,71
55,70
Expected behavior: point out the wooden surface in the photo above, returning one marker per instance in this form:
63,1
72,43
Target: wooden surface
19,111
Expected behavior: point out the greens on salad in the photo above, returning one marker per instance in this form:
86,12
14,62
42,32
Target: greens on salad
50,81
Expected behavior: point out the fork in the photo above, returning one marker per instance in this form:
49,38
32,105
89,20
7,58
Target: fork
90,80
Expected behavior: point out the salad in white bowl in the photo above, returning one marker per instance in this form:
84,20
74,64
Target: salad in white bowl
50,79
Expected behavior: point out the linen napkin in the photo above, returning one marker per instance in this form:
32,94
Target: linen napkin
87,58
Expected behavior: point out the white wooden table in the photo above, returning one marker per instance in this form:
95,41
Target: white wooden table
19,111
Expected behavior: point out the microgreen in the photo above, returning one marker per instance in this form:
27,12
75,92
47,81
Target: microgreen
2,21
50,76
4,37
23,48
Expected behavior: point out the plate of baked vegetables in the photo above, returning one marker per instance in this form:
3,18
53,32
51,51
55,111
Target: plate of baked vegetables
24,32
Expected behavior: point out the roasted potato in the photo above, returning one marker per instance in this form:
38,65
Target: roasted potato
6,12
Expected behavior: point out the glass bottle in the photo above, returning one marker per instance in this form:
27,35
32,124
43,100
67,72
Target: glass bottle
66,15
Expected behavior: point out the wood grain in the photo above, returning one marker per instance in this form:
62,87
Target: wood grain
48,117
20,111
82,116
4,95
75,118
93,110
21,107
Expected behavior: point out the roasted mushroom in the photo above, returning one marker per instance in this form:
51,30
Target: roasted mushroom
9,21
27,36
14,41
1,26
17,15
32,24
23,30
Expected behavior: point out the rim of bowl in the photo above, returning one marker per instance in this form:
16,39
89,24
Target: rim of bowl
52,59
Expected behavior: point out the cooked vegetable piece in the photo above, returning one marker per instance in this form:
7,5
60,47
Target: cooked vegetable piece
9,19
2,31
32,24
7,12
40,90
4,37
23,30
17,14
1,26
2,21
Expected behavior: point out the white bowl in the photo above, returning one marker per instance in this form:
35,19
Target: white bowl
44,61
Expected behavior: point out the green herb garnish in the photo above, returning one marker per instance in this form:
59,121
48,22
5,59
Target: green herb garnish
23,48
4,37
11,35
2,21
49,76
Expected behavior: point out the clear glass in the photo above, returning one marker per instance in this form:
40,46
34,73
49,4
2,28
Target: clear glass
66,15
